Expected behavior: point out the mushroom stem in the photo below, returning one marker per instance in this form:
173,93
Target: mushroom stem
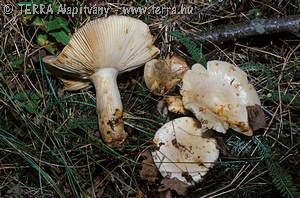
109,106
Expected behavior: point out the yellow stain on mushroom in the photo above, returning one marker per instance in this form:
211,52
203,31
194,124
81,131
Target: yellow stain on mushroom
220,91
237,85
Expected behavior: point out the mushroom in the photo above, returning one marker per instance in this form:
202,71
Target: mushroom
162,76
171,103
73,85
99,51
184,151
219,96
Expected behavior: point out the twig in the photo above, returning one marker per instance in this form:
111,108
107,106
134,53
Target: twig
255,27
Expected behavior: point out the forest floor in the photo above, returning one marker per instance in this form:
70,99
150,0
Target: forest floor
49,138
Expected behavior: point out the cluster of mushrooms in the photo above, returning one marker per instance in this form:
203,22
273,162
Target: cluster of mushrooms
218,96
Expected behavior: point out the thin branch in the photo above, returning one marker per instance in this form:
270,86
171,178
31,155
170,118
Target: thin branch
255,27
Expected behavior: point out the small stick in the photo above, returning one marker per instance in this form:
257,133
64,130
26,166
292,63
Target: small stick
255,27
278,120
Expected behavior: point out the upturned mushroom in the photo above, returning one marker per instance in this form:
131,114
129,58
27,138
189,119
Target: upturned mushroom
162,75
184,151
99,51
219,96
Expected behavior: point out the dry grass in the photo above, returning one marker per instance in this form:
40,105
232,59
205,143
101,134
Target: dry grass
49,139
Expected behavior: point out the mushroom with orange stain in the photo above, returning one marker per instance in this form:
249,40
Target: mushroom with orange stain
223,91
91,56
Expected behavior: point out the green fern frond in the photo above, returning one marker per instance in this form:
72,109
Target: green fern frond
238,146
285,98
257,67
280,178
191,47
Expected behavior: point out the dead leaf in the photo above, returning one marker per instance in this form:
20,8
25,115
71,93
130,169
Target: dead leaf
165,194
149,171
222,146
174,184
256,117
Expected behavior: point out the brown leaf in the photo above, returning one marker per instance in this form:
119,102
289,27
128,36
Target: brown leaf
222,146
149,171
165,194
174,184
256,117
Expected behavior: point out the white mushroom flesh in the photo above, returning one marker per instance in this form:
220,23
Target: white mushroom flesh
162,75
175,104
218,96
109,105
183,151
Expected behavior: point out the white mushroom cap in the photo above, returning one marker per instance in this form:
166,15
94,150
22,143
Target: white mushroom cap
99,51
162,76
183,151
219,96
119,42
